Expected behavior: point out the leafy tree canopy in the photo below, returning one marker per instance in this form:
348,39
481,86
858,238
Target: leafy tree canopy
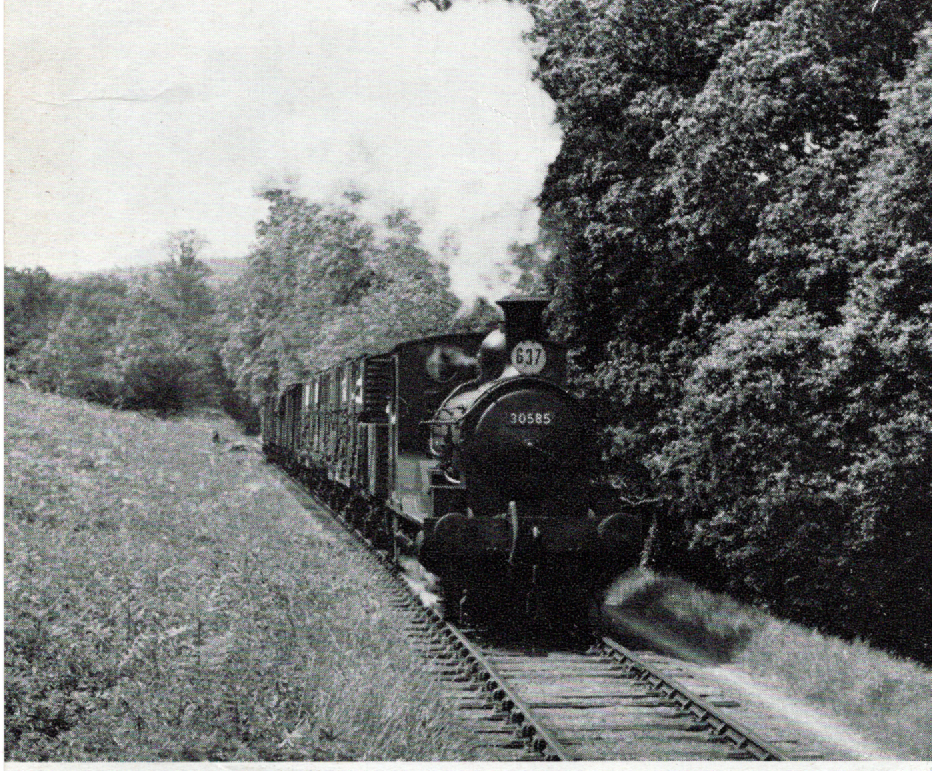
740,215
325,283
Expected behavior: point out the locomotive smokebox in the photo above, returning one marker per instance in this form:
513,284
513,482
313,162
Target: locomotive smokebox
524,318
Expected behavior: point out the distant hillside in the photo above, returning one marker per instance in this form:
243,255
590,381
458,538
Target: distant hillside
226,270
223,270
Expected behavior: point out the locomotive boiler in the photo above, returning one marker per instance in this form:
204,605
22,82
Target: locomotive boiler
465,449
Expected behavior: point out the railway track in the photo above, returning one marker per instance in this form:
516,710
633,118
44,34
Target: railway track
601,701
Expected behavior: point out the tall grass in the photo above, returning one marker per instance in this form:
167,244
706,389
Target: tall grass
167,599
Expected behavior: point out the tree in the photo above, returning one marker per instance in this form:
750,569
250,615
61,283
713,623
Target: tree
169,352
80,355
751,455
31,304
324,283
633,306
622,73
893,202
761,160
884,357
740,217
182,288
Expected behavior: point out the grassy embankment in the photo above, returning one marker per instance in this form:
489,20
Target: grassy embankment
884,698
167,599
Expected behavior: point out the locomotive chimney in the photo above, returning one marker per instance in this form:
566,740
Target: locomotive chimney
523,318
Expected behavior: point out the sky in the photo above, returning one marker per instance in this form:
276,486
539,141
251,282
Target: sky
126,121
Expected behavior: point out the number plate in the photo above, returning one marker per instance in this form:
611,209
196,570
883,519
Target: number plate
530,418
529,357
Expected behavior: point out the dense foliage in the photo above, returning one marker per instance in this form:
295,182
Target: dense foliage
30,302
147,342
743,209
323,282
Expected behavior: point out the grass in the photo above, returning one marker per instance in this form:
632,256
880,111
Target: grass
886,699
167,599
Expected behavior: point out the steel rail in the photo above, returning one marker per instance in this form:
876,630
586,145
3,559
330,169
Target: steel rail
726,727
539,738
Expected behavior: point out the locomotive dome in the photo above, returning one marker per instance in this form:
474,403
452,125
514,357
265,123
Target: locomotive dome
493,355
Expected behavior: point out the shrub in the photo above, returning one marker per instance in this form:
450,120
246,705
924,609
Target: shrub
802,458
157,382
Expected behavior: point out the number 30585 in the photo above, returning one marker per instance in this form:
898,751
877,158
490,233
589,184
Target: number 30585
530,418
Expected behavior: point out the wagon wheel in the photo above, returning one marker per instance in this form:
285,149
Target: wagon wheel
375,528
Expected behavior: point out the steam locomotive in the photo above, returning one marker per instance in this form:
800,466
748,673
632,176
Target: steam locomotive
466,450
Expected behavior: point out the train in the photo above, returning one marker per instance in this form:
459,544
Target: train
467,451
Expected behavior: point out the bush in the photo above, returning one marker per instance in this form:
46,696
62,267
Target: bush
158,383
242,411
801,456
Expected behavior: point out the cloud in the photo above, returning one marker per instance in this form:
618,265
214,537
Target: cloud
126,121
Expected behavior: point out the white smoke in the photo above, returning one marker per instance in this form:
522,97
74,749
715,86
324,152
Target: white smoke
126,121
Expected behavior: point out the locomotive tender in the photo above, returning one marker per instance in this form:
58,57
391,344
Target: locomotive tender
466,449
